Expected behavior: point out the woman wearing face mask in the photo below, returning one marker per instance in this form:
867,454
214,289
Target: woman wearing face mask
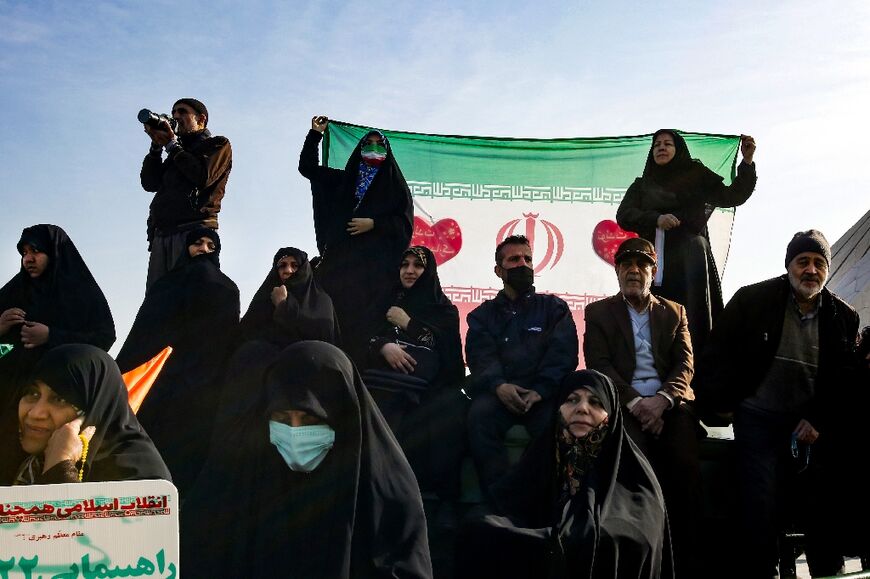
309,479
582,502
75,424
363,221
195,309
669,205
290,306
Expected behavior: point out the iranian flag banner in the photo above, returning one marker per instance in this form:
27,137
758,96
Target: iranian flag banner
472,192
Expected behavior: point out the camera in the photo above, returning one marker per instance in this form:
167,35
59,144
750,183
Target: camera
153,120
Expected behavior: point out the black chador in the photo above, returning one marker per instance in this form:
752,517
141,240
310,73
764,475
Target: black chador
358,271
195,309
687,189
424,408
306,313
263,509
586,507
65,297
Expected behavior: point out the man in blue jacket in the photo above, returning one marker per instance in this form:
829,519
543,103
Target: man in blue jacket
518,347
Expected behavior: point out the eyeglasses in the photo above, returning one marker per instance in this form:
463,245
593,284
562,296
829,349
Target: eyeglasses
801,453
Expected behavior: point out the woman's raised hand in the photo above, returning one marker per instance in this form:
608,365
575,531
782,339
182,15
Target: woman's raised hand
747,148
65,443
319,122
279,294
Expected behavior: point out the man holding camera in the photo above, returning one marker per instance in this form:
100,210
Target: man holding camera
188,184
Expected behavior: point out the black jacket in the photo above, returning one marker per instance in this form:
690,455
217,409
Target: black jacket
189,184
530,342
745,340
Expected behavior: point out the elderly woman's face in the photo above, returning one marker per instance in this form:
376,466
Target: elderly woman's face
41,411
664,148
582,412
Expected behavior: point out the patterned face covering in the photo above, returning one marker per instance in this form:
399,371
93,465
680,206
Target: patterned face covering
575,455
373,154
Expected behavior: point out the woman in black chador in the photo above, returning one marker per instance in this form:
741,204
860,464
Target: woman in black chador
363,221
53,300
77,389
289,306
304,478
669,205
583,501
195,309
416,370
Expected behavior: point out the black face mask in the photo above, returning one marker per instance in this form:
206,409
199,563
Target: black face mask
520,278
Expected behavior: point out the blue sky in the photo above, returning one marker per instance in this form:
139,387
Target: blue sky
795,75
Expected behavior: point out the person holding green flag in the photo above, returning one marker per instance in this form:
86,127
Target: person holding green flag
363,221
669,205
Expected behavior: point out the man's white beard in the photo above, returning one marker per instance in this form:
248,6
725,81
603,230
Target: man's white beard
803,291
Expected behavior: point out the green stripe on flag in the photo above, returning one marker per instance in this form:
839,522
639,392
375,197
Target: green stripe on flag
580,170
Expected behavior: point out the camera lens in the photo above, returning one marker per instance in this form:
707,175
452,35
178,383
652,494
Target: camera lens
144,115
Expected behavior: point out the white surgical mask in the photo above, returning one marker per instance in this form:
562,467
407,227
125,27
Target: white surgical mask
303,448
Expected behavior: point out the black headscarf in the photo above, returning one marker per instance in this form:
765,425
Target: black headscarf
192,237
615,525
188,304
89,379
682,175
388,198
66,298
306,315
358,514
195,309
426,303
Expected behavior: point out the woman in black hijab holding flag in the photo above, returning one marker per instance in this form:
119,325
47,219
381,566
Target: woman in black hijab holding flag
304,479
583,502
363,221
195,309
290,306
669,205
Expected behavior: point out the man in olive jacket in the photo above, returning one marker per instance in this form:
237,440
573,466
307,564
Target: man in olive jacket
642,343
